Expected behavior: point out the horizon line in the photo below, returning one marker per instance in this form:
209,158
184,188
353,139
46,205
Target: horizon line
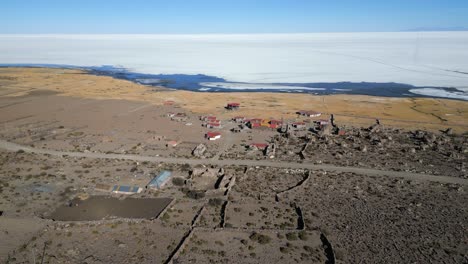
250,33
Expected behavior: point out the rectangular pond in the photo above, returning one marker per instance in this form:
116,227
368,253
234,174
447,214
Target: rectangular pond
103,207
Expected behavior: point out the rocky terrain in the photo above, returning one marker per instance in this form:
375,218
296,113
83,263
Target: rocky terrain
246,214
378,147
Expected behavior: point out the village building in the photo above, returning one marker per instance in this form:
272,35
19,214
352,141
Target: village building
209,119
265,123
238,119
299,125
232,106
275,124
160,180
172,143
180,117
214,125
259,146
322,122
213,135
102,187
254,123
309,113
169,102
121,189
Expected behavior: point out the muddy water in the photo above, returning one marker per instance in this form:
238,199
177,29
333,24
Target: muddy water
102,207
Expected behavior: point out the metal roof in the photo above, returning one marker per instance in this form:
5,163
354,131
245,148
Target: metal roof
160,180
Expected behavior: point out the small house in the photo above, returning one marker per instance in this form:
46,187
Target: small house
172,143
299,125
102,187
322,122
309,113
208,118
233,106
238,119
275,124
214,125
121,189
259,146
180,117
160,180
265,123
255,122
213,135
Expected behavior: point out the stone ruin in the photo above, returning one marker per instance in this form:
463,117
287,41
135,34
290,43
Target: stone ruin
199,151
270,151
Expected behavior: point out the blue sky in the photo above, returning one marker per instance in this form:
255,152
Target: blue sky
227,16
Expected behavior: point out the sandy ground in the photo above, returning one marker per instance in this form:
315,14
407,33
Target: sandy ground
408,113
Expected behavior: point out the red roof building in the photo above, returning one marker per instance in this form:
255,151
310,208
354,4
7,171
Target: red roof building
232,106
239,119
260,146
208,118
172,143
275,123
299,124
255,120
213,125
213,135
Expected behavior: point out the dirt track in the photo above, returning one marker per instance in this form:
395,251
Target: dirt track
276,164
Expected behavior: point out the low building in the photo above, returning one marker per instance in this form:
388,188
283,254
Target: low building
213,135
309,113
169,102
238,119
172,143
232,106
259,146
180,117
275,124
322,122
214,125
102,187
208,118
265,123
299,125
121,189
255,122
160,180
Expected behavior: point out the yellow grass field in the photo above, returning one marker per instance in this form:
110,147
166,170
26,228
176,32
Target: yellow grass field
408,113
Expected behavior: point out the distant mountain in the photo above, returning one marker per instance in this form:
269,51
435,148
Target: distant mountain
437,29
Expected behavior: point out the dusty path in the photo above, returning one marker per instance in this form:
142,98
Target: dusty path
275,164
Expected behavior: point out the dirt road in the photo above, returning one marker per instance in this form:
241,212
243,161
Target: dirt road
252,163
